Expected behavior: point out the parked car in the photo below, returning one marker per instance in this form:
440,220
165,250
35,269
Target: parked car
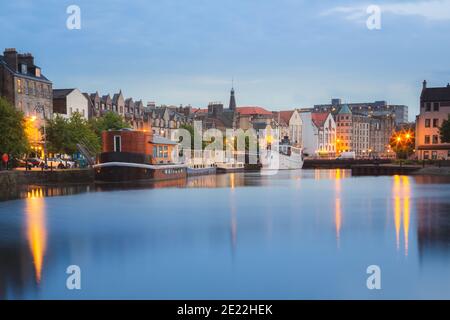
34,162
53,163
20,163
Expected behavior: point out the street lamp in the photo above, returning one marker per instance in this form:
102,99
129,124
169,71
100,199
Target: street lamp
41,109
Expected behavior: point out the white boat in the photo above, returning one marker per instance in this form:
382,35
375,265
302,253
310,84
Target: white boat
285,158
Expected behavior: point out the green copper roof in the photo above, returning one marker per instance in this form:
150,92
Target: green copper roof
345,110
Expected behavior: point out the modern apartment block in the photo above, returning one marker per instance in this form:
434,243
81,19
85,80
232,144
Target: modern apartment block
434,110
377,108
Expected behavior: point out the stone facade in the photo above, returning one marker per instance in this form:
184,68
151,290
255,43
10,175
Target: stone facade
24,86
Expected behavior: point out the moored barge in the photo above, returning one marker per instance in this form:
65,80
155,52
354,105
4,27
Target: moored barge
130,155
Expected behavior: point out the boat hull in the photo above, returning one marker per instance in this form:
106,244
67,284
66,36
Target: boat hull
126,172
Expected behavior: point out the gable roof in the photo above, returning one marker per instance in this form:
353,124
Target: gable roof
285,116
253,110
319,118
61,93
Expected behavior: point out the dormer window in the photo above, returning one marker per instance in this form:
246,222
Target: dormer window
23,69
38,72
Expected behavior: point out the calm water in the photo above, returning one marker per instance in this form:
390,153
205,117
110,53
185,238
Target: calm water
296,235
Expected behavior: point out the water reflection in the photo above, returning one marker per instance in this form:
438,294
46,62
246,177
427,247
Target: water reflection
242,234
36,229
338,211
401,192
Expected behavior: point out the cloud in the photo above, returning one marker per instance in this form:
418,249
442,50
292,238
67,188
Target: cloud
434,10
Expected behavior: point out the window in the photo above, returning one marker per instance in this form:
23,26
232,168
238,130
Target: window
434,155
435,106
155,151
435,139
166,152
427,123
426,155
117,143
428,106
160,151
427,139
435,123
19,86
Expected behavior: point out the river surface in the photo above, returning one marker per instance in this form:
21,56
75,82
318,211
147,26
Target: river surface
307,234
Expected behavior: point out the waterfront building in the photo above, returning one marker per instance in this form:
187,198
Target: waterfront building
254,117
434,109
353,132
377,108
318,134
25,87
381,131
68,101
290,125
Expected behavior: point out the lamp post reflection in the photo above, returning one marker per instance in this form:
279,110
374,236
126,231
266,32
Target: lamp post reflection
401,193
36,229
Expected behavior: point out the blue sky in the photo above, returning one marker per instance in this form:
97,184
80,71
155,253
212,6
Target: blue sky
281,53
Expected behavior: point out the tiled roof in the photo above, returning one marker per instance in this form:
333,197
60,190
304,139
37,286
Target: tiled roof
319,118
253,110
285,116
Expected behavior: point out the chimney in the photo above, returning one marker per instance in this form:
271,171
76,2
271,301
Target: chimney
27,58
448,85
11,58
424,84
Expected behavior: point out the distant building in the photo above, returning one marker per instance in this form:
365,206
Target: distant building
381,130
377,108
290,125
133,112
434,109
164,120
318,134
353,132
253,117
68,101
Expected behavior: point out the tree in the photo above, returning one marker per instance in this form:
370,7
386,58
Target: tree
109,121
402,143
444,131
13,139
63,135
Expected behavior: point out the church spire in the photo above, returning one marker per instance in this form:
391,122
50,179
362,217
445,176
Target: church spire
232,97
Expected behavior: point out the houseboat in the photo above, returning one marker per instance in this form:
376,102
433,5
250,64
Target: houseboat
131,155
